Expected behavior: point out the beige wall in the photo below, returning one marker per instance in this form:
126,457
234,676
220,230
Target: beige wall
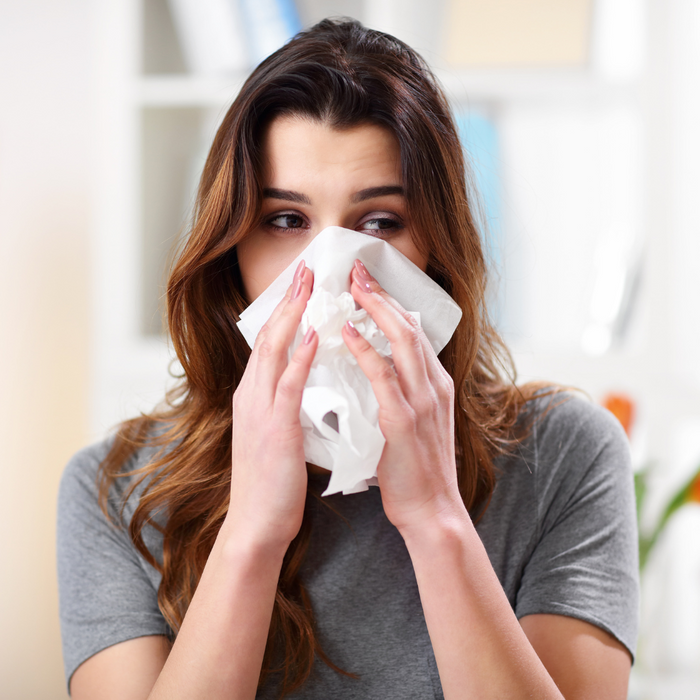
45,104
516,33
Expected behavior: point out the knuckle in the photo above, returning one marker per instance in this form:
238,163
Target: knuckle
379,299
446,387
262,333
286,389
386,372
266,349
298,362
411,321
409,335
366,350
427,406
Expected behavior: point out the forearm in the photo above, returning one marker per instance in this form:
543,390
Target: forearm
219,650
480,648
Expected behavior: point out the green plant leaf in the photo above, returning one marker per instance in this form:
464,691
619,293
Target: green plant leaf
680,498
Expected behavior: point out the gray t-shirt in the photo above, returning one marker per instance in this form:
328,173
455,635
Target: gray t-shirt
560,532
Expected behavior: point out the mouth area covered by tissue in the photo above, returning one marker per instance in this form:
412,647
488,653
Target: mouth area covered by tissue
339,412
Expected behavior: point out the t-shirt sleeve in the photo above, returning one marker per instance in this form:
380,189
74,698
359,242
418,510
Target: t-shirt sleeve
105,593
585,564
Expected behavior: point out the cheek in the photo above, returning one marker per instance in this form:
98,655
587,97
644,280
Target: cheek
262,257
253,262
407,247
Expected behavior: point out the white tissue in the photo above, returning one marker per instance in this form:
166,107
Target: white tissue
339,412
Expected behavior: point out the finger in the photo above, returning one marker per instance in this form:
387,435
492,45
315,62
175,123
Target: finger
283,302
265,329
433,364
291,384
400,328
271,352
380,373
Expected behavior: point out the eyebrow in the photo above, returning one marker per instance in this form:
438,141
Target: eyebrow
361,196
373,192
288,195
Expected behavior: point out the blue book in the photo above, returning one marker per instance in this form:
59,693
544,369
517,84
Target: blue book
270,25
480,140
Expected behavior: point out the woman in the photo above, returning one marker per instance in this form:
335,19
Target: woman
214,570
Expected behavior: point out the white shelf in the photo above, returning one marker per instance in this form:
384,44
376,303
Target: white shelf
461,87
186,90
532,86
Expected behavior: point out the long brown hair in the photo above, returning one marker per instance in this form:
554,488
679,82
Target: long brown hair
344,75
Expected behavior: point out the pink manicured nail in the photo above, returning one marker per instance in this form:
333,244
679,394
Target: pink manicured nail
299,270
297,288
362,277
364,286
309,335
363,271
352,330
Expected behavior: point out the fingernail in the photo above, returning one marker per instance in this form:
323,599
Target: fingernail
299,270
309,335
363,271
364,286
352,330
297,288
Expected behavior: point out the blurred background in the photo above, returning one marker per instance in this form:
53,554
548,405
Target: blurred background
581,118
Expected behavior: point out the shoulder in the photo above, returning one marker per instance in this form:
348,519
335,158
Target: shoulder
572,434
566,414
561,526
574,460
84,465
79,486
79,481
107,590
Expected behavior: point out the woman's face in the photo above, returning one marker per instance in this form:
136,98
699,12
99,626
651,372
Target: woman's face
316,176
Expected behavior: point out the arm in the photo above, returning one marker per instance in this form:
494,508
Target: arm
124,671
218,652
569,648
481,649
469,617
219,649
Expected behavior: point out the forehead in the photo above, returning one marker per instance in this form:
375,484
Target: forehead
299,148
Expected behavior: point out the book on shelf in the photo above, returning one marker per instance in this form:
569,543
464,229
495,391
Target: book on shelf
211,35
270,24
231,36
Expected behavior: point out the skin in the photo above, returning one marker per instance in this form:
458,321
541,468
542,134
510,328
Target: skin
482,651
329,169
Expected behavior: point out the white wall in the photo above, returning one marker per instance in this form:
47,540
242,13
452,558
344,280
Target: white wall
45,125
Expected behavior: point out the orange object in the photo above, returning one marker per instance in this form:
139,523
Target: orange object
622,407
694,491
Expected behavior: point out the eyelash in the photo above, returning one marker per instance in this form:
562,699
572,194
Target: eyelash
395,224
280,215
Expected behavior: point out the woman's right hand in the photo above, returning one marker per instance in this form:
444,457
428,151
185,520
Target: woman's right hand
269,478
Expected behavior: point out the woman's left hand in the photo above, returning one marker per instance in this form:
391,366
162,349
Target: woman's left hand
417,471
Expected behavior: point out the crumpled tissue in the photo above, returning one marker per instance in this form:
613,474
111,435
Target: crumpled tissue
339,412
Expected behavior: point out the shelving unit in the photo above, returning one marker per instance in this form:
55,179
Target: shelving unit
159,120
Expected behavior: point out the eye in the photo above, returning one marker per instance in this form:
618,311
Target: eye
381,225
286,221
